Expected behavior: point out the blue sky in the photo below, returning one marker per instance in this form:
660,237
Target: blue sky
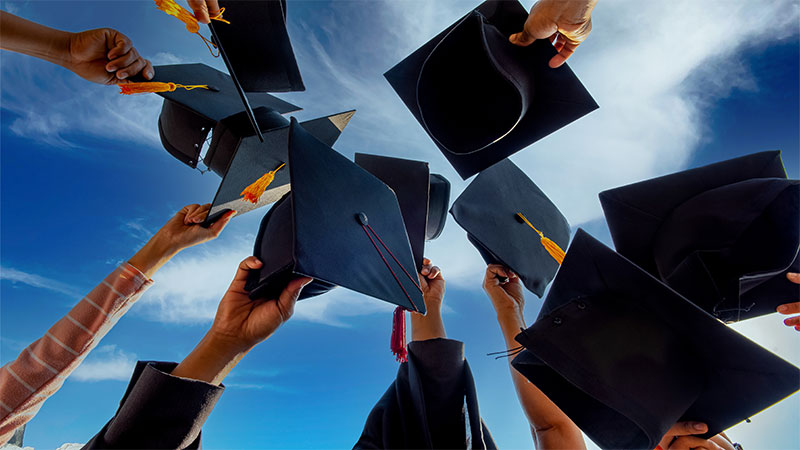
84,181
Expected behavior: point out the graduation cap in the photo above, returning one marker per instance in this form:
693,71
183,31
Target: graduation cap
188,116
339,225
723,235
512,222
481,98
255,46
423,197
256,173
626,357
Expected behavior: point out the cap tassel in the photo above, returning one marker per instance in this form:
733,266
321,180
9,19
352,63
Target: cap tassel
155,86
398,343
253,192
552,248
192,25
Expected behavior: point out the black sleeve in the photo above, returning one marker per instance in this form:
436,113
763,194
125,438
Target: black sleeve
159,410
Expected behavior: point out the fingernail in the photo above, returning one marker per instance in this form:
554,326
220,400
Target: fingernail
788,322
148,74
110,68
783,308
699,426
793,276
122,75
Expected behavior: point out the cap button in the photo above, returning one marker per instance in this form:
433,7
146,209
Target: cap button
362,218
557,320
581,305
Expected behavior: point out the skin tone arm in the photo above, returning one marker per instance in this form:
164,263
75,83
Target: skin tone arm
791,308
239,325
103,55
550,427
565,23
429,326
180,232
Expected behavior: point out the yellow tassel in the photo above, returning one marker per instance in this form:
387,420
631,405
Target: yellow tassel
155,86
253,192
552,248
182,14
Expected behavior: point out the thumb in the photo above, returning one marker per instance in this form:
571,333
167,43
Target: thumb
538,26
289,296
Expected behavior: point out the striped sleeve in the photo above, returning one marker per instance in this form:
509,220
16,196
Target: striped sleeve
41,368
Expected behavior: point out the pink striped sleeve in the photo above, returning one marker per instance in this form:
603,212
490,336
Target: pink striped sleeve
40,369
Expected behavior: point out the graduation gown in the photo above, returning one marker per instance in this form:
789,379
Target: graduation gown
431,404
159,410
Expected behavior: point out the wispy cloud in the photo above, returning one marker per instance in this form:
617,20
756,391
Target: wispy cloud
17,276
106,363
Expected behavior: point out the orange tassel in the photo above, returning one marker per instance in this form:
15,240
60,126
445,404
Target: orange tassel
253,192
182,14
155,86
552,248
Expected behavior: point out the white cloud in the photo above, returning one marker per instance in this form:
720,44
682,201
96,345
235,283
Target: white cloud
106,363
37,281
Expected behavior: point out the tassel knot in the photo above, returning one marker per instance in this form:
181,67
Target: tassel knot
253,192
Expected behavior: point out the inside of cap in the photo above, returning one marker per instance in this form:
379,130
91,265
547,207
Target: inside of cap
438,204
733,265
275,248
467,99
229,132
183,132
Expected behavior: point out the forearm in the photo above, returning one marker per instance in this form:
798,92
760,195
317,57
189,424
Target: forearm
211,360
429,326
30,38
550,427
154,254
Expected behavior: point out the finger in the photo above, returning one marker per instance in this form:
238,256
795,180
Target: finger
793,277
122,45
425,269
496,269
289,296
213,7
426,261
792,321
789,308
133,69
187,211
200,10
148,71
196,214
566,51
434,272
693,443
243,271
537,26
687,428
217,227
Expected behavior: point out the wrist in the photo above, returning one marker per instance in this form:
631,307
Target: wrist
510,323
154,254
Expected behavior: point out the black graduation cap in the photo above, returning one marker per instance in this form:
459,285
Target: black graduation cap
423,197
723,235
256,47
241,159
626,357
339,225
187,116
489,211
481,98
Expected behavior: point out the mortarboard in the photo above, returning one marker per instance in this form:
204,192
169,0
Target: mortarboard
234,152
481,98
188,116
259,168
489,211
256,45
423,197
722,235
339,225
626,357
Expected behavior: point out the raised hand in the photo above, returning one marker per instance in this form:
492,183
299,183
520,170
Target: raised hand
792,308
566,23
504,289
105,56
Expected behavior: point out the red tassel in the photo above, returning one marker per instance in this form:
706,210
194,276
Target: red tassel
398,343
